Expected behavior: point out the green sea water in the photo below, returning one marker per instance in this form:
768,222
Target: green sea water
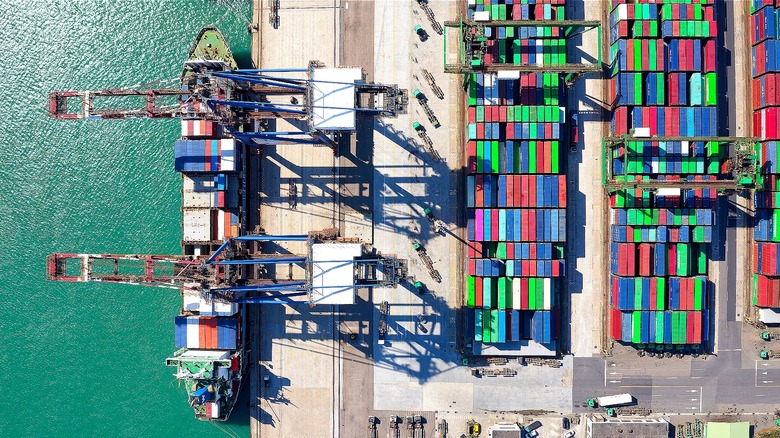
88,359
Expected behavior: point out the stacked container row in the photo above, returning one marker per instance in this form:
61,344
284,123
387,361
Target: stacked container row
213,155
663,84
501,326
516,192
766,126
660,327
207,332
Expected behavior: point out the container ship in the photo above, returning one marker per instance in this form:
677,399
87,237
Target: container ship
226,118
209,332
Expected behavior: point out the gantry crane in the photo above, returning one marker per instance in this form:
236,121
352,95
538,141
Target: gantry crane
473,46
227,274
742,165
237,98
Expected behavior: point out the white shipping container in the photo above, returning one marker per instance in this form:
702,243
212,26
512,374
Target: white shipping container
547,284
642,132
516,294
227,164
622,12
482,16
508,74
193,332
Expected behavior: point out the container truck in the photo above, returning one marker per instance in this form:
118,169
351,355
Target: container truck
769,354
611,400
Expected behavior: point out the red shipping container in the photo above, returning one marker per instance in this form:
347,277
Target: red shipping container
689,328
616,322
691,293
518,192
532,225
510,132
478,292
562,191
653,294
524,293
531,191
472,157
472,267
494,224
697,321
472,114
556,268
480,130
510,251
510,188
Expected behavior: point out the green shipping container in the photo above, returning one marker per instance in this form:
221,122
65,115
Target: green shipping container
638,293
501,294
494,157
471,296
480,157
494,326
660,293
636,328
683,260
659,327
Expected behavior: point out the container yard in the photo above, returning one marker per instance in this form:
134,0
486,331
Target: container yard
516,225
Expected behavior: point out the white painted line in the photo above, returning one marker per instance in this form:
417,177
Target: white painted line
614,381
760,395
605,372
756,377
696,377
671,378
701,398
767,381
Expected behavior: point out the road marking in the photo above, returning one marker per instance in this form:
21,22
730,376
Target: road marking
701,398
614,381
696,377
760,395
671,377
767,381
605,373
756,374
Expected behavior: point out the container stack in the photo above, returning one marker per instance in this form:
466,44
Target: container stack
766,120
663,84
515,186
208,165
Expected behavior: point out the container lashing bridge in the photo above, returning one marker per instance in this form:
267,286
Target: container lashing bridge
224,275
742,166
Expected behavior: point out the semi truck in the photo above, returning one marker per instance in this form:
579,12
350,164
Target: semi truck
611,400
